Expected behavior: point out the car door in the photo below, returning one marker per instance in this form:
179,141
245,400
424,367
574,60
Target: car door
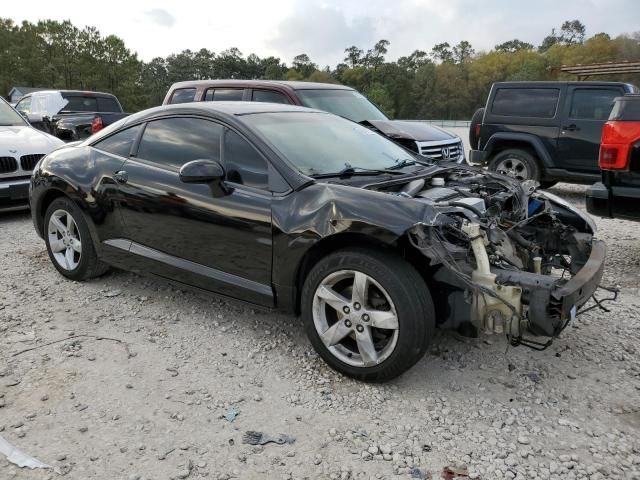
586,110
189,232
109,155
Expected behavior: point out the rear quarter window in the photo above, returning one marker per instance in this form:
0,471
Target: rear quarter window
526,102
224,95
183,95
119,143
80,103
107,104
268,96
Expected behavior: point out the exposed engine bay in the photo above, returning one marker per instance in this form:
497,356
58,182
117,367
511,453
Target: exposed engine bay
508,258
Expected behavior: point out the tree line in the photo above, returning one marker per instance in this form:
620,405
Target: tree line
446,82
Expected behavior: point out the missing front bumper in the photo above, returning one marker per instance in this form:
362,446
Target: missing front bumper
550,304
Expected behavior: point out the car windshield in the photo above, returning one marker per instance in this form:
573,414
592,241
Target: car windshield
9,117
346,103
318,143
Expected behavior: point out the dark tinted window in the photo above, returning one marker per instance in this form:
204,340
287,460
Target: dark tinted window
345,103
526,102
242,163
79,103
108,104
183,95
175,141
592,103
224,95
267,96
119,143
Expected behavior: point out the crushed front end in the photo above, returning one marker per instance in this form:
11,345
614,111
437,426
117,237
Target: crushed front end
507,258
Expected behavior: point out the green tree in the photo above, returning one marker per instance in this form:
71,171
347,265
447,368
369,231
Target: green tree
572,32
463,52
303,65
442,52
353,56
375,57
513,46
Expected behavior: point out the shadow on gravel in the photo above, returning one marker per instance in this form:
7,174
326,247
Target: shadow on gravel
17,216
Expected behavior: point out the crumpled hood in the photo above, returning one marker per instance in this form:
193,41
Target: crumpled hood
418,131
26,140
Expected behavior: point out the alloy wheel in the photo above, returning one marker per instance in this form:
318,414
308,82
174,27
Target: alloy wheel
355,318
513,167
64,240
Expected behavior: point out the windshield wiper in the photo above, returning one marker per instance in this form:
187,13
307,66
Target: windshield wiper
351,171
402,164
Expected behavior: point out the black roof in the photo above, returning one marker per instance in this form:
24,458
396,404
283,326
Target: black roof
253,83
213,109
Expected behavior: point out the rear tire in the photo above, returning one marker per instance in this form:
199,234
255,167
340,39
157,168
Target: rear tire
516,163
368,313
69,243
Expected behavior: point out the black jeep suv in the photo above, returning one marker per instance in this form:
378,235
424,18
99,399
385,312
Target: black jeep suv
544,131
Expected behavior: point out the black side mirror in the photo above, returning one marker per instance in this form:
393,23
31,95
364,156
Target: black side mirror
201,171
210,172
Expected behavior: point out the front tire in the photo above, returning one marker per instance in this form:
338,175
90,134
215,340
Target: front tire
69,243
367,313
516,163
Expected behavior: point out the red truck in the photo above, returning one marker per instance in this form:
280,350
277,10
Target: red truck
618,194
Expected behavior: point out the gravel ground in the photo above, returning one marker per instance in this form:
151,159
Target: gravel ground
144,389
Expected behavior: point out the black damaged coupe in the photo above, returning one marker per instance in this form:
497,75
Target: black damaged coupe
300,210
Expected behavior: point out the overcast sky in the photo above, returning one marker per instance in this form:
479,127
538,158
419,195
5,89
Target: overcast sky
324,28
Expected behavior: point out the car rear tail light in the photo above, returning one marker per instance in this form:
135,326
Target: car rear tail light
612,158
617,141
477,130
96,125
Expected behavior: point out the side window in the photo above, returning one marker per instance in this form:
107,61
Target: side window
107,104
172,142
183,95
224,95
243,164
268,96
592,103
526,102
24,105
80,104
119,143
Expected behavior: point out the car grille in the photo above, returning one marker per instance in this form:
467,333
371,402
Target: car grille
8,164
441,151
27,162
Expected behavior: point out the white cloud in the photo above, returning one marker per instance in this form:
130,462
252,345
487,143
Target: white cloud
324,28
161,17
